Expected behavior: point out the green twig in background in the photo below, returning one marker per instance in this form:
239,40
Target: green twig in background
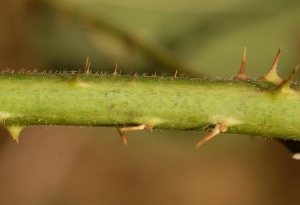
154,52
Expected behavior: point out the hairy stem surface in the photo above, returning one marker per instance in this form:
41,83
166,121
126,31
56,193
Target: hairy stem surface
245,107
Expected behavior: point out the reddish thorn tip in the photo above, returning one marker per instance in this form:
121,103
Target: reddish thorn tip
272,75
87,66
124,140
276,59
242,73
115,71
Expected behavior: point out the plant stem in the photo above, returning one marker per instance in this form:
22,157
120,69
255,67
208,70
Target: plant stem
244,107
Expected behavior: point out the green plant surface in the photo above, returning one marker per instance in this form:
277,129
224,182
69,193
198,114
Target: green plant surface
176,103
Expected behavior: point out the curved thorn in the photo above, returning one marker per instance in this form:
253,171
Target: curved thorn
285,85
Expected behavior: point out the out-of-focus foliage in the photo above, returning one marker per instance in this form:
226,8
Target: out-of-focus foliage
209,36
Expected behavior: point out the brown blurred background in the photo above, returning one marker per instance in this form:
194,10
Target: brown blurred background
70,165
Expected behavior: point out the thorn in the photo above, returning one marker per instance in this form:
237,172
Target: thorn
285,85
242,73
133,128
115,71
272,75
122,135
15,132
219,128
87,66
123,138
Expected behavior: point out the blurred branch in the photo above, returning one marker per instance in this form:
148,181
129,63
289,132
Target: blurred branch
154,52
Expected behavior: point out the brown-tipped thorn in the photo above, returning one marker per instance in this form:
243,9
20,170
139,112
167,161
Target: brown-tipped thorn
87,66
218,128
242,73
115,71
285,85
122,135
15,132
133,128
272,75
123,138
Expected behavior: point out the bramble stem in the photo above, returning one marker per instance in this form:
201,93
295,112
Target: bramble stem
244,107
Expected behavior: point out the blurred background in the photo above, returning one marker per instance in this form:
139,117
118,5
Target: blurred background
70,165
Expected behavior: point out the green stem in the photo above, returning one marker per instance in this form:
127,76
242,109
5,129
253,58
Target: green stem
244,107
